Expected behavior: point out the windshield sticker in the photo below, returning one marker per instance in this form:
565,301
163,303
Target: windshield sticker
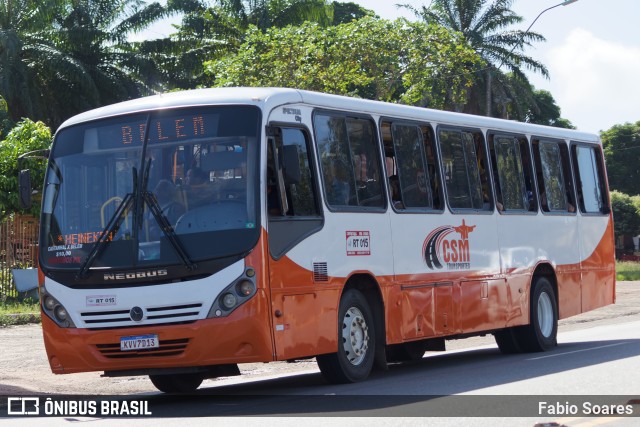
358,243
100,300
80,238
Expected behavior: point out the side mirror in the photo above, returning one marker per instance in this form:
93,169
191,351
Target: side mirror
291,164
24,188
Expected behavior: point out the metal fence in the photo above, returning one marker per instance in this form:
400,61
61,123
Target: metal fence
18,249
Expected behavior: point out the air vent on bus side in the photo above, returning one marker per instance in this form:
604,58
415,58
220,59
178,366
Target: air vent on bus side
320,272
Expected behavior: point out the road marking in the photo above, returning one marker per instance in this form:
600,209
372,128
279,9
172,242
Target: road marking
578,351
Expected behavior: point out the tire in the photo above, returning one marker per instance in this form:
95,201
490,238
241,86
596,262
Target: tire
176,383
356,342
507,341
542,331
406,352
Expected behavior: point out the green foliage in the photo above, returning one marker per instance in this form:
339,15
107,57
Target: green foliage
61,57
484,25
14,312
26,136
627,270
344,13
371,58
621,150
626,214
538,108
5,119
25,50
204,33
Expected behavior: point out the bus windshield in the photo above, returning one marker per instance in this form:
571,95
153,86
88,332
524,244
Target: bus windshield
129,178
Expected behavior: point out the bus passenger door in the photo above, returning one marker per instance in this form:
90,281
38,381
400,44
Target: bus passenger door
293,215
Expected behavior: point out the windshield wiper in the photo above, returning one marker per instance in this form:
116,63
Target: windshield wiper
110,230
150,200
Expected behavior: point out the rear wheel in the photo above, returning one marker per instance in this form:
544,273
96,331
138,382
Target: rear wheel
542,331
507,341
176,383
356,342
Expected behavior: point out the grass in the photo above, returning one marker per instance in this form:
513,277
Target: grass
14,312
627,270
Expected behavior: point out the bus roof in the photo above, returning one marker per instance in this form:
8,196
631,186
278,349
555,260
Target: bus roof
269,98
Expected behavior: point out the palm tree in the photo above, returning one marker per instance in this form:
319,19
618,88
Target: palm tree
484,24
62,57
25,50
107,68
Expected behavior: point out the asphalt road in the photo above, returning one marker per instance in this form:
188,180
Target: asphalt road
598,354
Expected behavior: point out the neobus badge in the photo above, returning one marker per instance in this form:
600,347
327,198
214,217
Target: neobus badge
441,248
136,274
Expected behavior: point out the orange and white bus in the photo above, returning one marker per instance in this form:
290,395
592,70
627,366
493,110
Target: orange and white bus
186,233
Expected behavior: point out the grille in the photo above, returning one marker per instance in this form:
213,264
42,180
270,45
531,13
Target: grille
154,315
320,272
166,348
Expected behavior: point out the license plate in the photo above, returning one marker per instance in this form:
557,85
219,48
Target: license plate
140,342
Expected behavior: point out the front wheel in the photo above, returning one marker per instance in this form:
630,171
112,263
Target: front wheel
356,342
176,383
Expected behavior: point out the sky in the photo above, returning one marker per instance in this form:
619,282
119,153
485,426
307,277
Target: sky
592,54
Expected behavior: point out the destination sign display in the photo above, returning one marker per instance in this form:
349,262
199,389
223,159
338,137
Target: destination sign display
174,128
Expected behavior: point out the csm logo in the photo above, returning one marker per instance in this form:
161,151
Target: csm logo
448,246
23,406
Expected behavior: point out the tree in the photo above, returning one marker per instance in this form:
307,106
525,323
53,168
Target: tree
265,14
62,57
626,216
343,13
539,108
204,33
377,59
25,52
211,30
26,136
483,24
101,66
621,146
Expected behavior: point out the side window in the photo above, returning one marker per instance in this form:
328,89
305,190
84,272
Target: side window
554,178
300,193
412,166
513,173
465,173
349,160
589,174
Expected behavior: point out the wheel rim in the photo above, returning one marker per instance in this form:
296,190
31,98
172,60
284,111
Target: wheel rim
545,314
355,336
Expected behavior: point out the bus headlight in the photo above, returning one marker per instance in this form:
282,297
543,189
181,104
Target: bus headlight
61,313
245,288
56,311
234,295
229,301
49,303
